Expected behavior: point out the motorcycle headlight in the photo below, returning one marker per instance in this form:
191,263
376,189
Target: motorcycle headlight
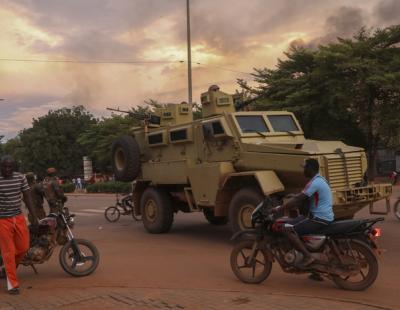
71,222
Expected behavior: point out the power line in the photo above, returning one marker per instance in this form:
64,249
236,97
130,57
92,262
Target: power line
120,62
91,61
223,68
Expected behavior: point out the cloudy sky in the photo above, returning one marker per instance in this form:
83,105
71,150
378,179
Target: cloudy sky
229,39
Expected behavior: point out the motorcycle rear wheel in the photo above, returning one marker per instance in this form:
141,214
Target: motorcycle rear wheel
365,259
72,263
252,271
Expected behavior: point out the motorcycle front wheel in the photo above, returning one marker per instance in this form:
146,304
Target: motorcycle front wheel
247,268
112,214
79,257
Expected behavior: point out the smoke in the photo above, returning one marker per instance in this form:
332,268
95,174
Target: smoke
233,29
344,23
387,12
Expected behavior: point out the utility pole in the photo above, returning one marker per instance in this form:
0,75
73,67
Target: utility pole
189,52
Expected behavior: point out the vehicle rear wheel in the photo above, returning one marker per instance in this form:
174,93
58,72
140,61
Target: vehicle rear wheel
250,269
212,219
156,210
242,205
125,159
365,263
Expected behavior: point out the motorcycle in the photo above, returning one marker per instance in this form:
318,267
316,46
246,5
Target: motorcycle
344,251
78,257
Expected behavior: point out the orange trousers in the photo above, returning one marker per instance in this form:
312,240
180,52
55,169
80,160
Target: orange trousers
14,243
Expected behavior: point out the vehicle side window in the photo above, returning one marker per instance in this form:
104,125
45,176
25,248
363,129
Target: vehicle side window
155,139
213,129
217,128
178,135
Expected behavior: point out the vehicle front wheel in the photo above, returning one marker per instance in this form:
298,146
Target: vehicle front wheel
242,205
156,209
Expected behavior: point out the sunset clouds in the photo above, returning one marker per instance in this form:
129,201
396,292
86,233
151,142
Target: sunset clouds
226,34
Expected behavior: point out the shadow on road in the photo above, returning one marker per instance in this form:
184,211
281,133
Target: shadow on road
202,231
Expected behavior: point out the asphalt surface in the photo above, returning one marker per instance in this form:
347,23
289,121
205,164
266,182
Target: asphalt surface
192,260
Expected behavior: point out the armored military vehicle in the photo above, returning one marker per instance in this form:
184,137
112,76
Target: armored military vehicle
225,163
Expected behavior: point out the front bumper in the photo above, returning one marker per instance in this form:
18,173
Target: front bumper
348,201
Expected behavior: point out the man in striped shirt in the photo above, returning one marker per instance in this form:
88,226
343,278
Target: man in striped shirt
14,233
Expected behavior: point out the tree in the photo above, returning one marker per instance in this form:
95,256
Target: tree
347,90
99,137
52,141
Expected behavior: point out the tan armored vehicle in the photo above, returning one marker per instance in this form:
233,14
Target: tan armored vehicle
225,163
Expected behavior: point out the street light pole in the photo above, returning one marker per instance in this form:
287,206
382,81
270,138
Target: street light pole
189,52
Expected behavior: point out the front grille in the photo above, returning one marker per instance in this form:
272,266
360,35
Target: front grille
344,171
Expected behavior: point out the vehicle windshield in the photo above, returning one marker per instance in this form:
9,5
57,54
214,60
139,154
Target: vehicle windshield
283,123
252,123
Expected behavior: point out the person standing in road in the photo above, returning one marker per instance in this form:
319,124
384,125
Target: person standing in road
14,233
79,183
37,195
52,191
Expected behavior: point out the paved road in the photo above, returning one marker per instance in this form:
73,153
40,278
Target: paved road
186,269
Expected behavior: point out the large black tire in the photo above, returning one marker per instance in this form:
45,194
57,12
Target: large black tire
67,258
214,220
366,280
125,159
240,252
241,206
156,210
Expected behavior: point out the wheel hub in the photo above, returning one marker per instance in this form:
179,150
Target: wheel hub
119,159
151,210
245,216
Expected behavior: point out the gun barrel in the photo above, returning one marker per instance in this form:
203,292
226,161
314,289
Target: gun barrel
118,110
154,119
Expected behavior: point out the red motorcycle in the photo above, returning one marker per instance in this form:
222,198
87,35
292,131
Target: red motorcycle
344,251
78,257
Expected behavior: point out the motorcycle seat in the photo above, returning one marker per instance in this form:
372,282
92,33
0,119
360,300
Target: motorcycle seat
340,227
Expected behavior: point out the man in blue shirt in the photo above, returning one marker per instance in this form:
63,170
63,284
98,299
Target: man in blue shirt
319,196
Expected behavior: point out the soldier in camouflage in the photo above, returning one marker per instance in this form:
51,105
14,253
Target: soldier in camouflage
52,192
37,194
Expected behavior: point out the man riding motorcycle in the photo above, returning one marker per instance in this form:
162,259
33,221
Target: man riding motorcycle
318,194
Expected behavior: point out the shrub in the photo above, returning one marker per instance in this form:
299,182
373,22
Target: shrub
109,187
68,187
